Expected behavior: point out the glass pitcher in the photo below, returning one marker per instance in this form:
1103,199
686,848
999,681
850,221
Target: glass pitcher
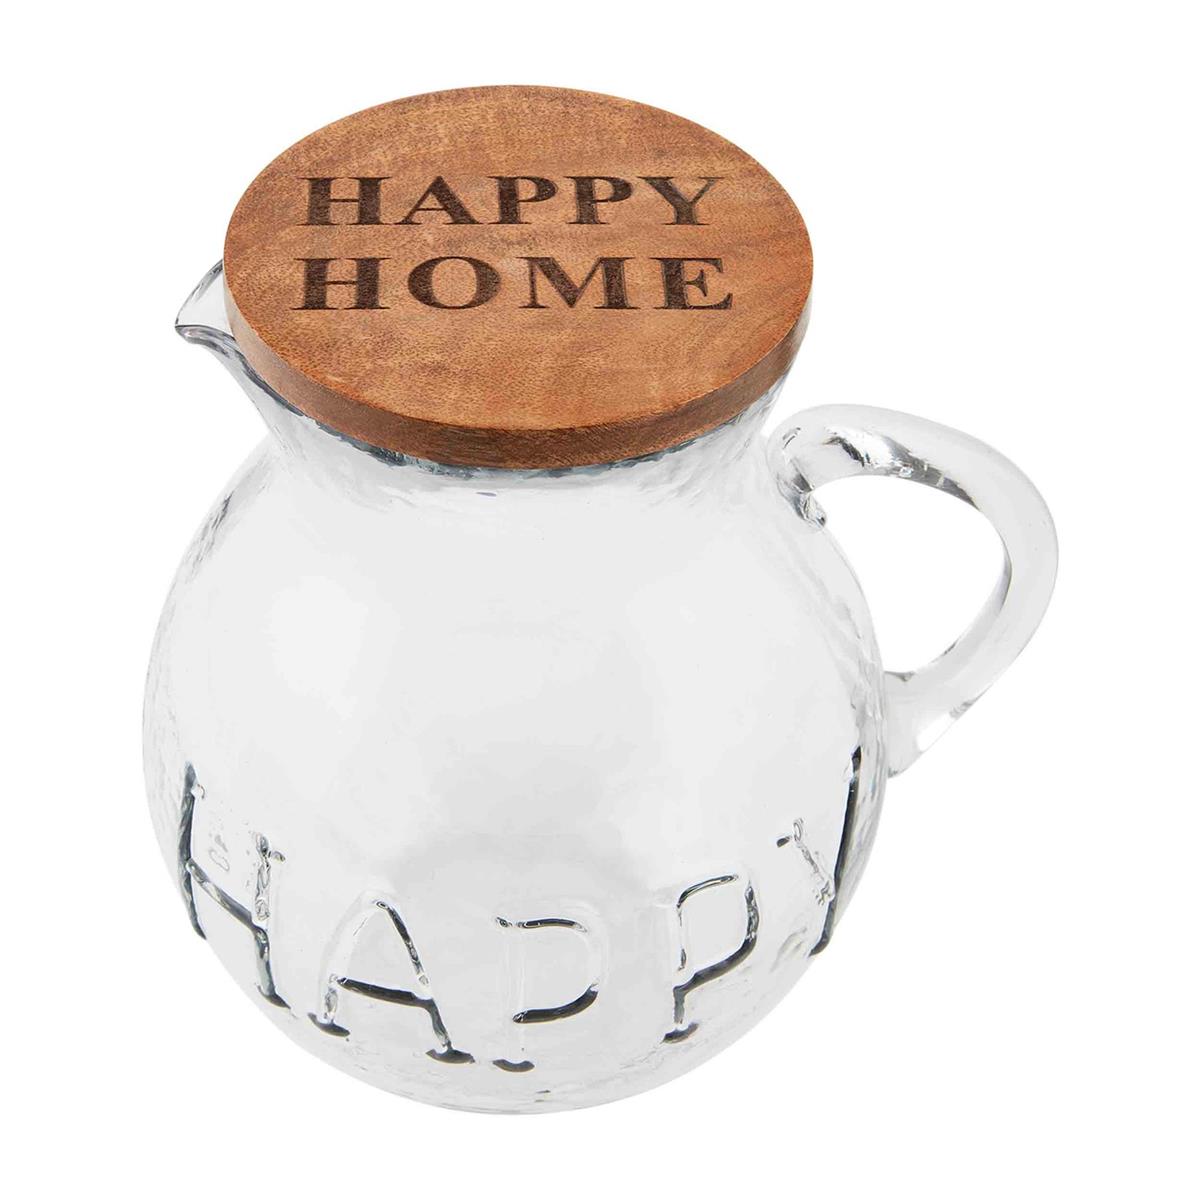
519,788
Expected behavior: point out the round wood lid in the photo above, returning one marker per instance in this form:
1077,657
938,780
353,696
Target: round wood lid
517,277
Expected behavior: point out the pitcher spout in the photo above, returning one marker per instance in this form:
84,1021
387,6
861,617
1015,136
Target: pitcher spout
203,321
202,318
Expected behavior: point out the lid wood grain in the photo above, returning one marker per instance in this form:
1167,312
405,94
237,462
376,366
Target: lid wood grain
517,277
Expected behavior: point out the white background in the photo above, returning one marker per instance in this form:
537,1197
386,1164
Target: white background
1004,209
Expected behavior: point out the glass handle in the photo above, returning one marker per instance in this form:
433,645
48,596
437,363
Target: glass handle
840,441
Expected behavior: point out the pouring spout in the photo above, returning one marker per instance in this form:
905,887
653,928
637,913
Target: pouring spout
202,318
203,321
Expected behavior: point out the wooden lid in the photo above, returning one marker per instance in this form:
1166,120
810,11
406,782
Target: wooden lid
517,277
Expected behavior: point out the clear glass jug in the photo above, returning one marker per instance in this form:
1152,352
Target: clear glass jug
516,790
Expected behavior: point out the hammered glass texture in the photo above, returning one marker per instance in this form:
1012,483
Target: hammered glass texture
511,790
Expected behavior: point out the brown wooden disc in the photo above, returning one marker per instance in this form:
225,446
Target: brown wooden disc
517,277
